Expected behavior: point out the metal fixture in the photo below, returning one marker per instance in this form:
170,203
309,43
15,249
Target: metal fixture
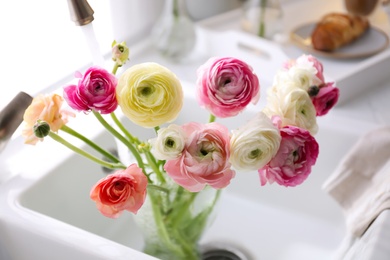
80,12
12,116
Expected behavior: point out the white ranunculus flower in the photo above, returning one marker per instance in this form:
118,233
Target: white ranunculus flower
169,143
305,77
283,86
254,144
294,108
296,77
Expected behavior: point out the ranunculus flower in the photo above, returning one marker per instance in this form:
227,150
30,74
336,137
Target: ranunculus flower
169,143
292,164
149,94
119,52
94,91
226,86
294,107
119,191
302,77
47,108
205,158
326,98
313,61
254,144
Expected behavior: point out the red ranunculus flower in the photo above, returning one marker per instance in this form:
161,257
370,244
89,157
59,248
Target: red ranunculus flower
122,190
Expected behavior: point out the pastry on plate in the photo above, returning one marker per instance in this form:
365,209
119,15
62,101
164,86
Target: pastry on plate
335,30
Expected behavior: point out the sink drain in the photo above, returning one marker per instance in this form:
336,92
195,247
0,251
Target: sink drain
223,252
220,254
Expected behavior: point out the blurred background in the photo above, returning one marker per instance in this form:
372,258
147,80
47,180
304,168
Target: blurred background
41,45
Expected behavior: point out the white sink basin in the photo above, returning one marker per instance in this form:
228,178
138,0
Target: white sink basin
46,213
47,210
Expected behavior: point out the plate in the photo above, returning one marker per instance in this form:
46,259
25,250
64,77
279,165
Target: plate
371,42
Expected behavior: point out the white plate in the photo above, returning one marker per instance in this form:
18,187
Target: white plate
371,42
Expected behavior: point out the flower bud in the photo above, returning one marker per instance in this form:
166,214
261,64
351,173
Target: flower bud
120,52
313,91
41,129
144,147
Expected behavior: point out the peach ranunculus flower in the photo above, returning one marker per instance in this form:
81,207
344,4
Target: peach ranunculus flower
205,158
46,108
149,94
119,191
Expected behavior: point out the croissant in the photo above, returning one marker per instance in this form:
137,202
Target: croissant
335,30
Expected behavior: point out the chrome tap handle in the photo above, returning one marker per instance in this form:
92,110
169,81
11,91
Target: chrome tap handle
12,116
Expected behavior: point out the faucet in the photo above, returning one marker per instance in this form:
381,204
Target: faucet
12,116
80,12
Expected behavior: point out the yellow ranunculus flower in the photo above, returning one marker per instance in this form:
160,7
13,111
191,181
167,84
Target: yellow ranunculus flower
149,94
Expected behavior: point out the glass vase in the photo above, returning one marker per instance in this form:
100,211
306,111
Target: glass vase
174,33
263,18
172,219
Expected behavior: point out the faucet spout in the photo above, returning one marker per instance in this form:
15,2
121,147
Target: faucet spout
80,12
12,116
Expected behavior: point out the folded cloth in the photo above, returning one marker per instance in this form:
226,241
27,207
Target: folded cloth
361,182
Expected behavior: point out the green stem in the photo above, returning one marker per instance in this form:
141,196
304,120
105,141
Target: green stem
124,130
153,164
212,118
115,68
161,229
186,247
158,188
217,195
261,32
204,216
175,10
89,142
183,209
62,141
122,139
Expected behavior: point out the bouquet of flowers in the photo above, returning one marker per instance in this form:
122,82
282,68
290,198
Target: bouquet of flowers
182,161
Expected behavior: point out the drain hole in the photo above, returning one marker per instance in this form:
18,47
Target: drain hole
220,254
223,252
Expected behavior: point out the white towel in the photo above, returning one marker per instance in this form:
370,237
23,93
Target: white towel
361,182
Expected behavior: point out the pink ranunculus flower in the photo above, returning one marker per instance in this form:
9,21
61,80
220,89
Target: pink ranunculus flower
292,164
122,190
326,98
94,91
205,158
226,86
